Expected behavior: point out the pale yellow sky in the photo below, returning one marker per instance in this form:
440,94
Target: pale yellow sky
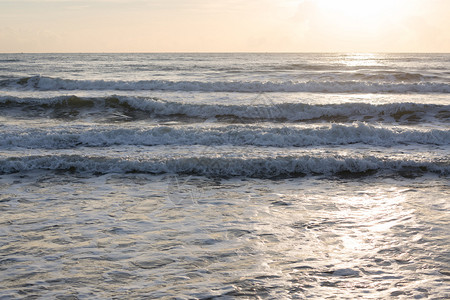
224,26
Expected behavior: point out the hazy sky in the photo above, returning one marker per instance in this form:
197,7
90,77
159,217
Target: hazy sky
223,26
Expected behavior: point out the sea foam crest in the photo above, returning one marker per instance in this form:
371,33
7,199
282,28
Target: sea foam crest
276,111
237,135
224,166
349,86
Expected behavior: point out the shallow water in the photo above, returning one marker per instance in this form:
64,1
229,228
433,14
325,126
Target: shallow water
150,236
223,176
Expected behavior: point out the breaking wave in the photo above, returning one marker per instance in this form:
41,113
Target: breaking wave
236,135
43,83
293,112
226,167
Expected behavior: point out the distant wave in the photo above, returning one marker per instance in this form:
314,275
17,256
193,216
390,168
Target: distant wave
236,135
293,112
226,167
43,83
9,60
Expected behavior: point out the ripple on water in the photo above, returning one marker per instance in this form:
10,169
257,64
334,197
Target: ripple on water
124,236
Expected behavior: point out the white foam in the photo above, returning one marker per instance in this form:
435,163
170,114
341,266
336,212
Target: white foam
356,111
238,135
288,111
48,83
223,166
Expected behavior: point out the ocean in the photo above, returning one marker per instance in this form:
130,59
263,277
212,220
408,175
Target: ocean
224,176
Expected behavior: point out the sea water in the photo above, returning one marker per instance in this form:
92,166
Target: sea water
223,176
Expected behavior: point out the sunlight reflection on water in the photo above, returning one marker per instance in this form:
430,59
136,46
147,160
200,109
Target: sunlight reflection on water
117,235
362,59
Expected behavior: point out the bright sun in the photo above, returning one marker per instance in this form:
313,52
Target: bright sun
357,7
365,14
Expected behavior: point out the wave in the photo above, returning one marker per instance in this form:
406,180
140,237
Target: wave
356,73
9,60
392,76
236,135
224,167
43,83
142,107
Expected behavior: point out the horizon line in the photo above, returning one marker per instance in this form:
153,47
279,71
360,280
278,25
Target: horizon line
230,52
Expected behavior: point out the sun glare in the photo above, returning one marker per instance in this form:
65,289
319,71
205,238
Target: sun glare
366,14
357,8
